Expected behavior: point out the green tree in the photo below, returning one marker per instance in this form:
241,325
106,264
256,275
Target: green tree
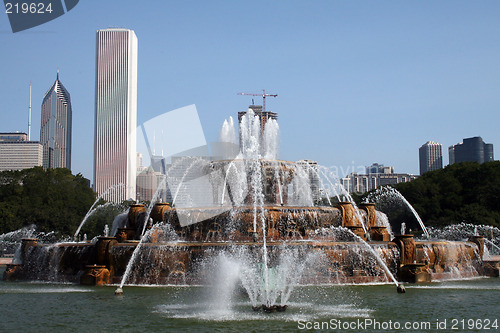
52,199
463,192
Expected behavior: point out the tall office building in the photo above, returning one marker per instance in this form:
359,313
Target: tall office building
471,149
55,128
430,156
115,114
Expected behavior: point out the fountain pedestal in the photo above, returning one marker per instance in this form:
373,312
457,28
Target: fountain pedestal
379,234
350,220
479,241
13,272
371,214
134,212
95,275
409,270
158,211
124,234
26,243
407,248
491,268
103,247
414,273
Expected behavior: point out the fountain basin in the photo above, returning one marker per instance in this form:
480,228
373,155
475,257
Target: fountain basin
185,262
307,234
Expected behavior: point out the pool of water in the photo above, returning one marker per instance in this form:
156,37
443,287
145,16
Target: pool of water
453,306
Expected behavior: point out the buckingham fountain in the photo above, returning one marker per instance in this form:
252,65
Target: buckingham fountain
249,221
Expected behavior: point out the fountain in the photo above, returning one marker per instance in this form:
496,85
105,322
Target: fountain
250,221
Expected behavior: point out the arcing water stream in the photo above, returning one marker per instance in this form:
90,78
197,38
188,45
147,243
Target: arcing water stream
92,210
390,193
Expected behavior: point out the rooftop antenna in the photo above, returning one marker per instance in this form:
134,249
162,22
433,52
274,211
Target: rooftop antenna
29,117
162,142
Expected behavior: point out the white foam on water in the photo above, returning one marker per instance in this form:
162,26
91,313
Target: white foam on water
241,311
42,290
457,287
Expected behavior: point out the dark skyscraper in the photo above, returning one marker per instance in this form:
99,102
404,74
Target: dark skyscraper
471,149
55,129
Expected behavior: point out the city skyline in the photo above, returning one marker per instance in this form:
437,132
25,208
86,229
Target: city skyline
356,87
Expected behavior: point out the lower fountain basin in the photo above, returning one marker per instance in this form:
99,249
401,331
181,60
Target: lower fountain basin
190,262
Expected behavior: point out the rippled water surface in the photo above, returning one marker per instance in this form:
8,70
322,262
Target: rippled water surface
43,307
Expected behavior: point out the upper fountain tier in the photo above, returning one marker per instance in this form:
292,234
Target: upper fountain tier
249,174
279,183
255,141
254,174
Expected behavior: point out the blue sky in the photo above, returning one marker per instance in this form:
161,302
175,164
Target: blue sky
358,82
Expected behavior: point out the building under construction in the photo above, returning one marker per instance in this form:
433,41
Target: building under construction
263,115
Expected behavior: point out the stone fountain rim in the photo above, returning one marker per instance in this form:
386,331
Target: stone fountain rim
268,207
249,159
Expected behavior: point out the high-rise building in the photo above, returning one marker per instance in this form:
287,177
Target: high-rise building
264,116
148,181
471,149
430,156
379,168
115,114
55,128
17,153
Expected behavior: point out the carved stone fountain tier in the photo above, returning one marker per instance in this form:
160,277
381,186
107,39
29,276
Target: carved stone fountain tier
238,224
297,228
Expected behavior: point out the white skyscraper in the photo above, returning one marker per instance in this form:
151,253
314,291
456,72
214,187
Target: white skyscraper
430,156
115,114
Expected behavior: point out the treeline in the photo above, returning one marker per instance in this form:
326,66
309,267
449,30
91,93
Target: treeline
52,199
463,192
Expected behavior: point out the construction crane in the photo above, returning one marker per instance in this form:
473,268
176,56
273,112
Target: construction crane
263,95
